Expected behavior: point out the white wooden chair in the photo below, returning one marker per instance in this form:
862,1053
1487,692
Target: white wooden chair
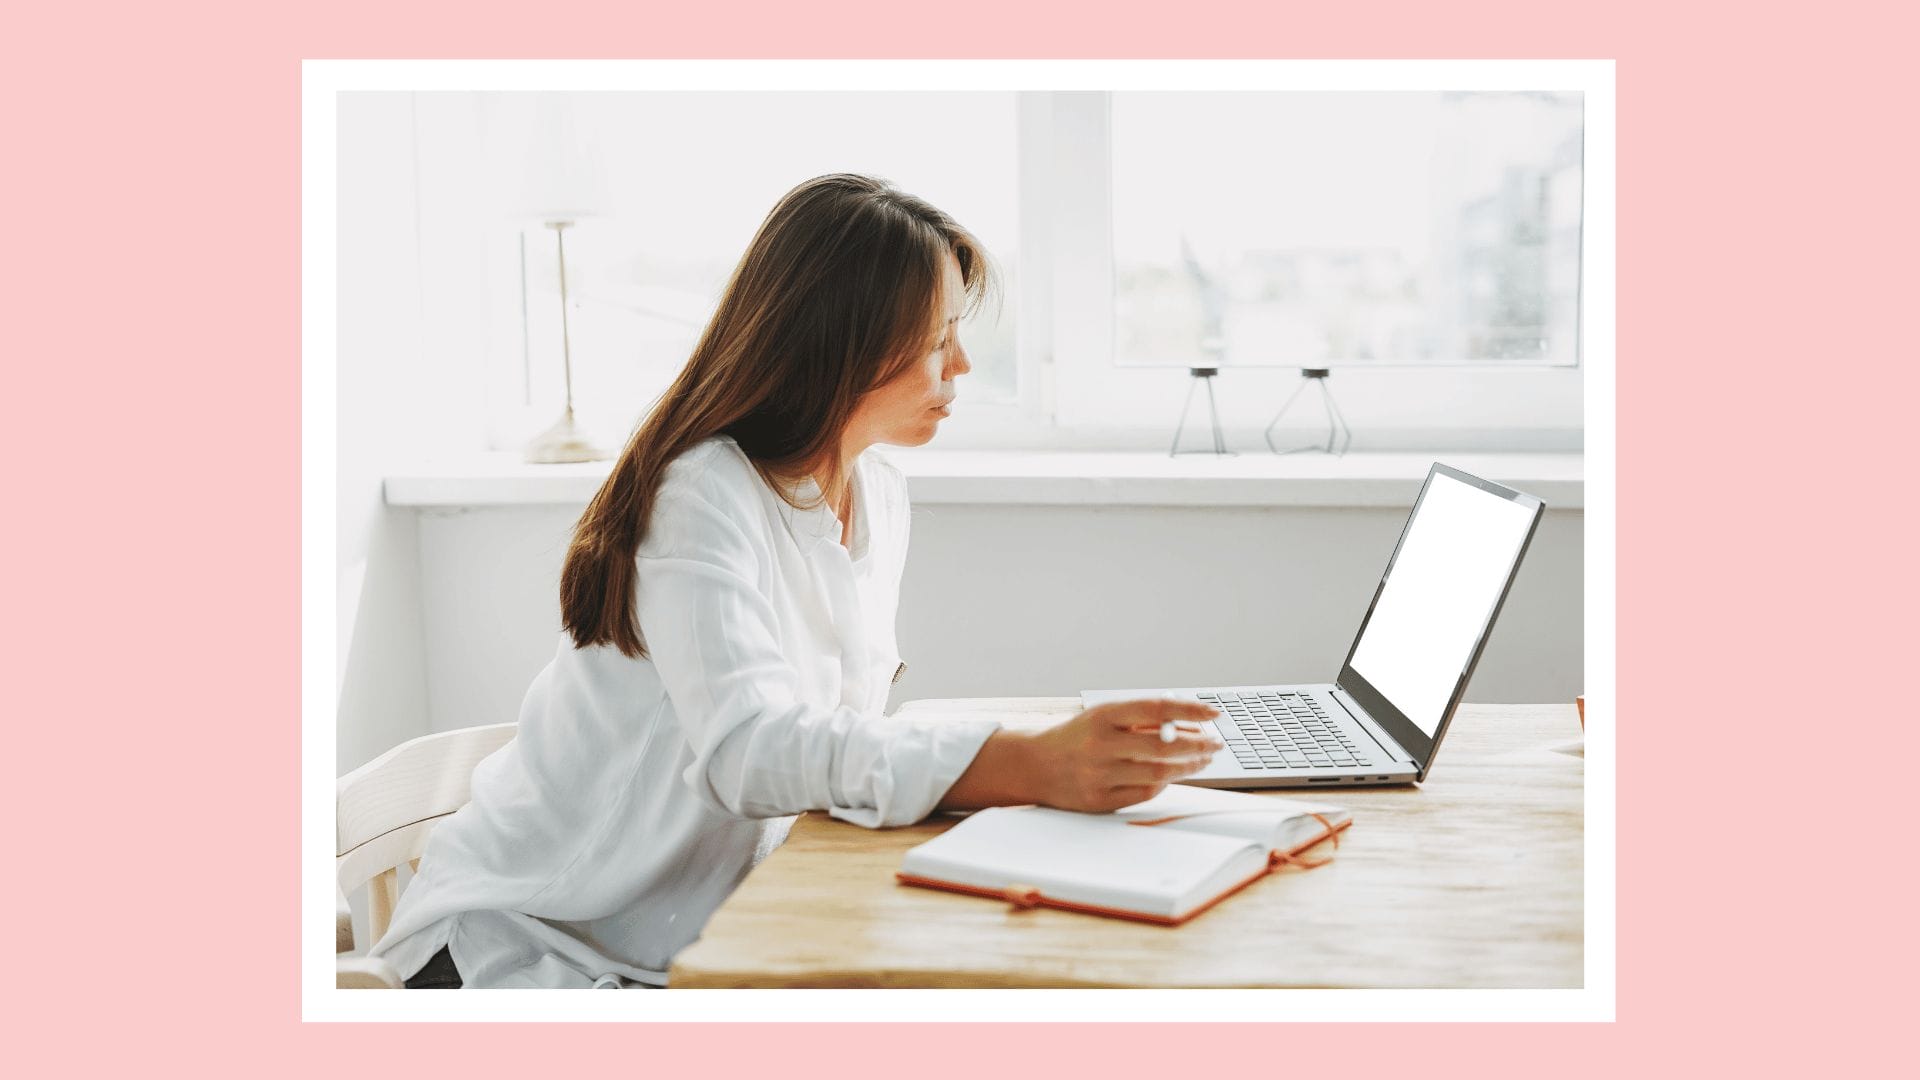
383,811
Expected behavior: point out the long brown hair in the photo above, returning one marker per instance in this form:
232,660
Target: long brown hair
840,291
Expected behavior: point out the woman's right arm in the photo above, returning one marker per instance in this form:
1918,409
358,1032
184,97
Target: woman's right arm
758,749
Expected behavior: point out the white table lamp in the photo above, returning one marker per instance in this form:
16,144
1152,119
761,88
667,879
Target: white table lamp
564,184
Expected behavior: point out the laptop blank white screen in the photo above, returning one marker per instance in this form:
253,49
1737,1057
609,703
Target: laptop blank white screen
1452,564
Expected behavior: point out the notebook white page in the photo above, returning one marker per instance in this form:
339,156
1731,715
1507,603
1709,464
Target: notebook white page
1278,824
1094,859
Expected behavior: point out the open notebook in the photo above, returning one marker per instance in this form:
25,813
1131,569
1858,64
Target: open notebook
1164,860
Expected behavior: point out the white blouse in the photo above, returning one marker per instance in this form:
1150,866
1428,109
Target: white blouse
637,794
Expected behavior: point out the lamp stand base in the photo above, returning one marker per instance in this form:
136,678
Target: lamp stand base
562,443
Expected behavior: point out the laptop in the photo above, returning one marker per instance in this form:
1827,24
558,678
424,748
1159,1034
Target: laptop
1381,720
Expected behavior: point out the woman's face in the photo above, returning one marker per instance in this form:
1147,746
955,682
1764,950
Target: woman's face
907,410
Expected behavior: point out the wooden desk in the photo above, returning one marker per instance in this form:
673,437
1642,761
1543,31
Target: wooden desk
1471,879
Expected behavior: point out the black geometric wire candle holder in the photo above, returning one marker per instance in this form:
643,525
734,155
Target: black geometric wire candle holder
1339,435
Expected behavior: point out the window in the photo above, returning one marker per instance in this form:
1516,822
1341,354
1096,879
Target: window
1125,318
1310,230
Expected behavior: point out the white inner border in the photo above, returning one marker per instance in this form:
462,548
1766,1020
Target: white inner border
321,80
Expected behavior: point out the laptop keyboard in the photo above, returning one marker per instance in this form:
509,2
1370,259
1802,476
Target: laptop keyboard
1271,730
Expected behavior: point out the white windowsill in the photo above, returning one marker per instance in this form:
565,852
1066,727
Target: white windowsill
1046,478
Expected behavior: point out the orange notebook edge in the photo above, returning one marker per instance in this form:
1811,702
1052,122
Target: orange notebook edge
1022,896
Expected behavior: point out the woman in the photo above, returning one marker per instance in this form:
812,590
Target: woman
728,601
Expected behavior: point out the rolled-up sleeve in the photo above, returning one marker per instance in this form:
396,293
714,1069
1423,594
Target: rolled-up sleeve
759,750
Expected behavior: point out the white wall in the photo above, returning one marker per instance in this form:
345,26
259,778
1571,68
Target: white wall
1039,600
398,400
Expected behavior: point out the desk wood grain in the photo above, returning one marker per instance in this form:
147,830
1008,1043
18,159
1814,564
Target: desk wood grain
1471,879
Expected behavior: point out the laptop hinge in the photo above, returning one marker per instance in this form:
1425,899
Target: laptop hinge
1381,739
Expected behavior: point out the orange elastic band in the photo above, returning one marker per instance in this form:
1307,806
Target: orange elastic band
1275,858
1022,896
1331,831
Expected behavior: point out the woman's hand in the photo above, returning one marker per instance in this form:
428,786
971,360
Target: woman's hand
1107,757
1111,755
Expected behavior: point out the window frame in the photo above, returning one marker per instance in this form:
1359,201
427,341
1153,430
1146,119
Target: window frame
1070,394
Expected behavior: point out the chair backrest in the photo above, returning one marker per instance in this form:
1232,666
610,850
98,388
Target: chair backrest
384,810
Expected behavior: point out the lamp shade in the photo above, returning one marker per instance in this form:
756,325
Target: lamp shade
565,179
